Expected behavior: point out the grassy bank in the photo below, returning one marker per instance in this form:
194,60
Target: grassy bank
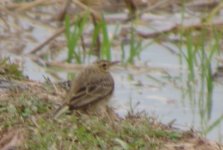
25,114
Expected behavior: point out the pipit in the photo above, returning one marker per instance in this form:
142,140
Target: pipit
91,89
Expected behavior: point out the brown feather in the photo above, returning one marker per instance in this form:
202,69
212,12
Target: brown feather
92,85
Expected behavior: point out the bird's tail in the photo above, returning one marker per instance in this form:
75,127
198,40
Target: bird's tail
61,110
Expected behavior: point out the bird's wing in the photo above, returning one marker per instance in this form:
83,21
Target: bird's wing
92,92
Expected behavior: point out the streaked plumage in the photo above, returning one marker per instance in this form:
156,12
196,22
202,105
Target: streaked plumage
92,85
92,88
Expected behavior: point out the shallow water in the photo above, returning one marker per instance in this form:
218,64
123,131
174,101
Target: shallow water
162,98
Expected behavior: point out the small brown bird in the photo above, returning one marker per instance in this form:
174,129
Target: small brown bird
91,89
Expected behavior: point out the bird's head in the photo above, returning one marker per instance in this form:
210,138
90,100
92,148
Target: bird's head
104,65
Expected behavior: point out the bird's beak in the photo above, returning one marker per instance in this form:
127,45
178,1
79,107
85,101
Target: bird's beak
114,62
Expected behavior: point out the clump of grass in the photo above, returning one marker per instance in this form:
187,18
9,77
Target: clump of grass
73,35
10,70
100,40
106,44
101,43
135,48
199,55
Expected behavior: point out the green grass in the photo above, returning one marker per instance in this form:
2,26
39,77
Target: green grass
100,35
200,51
134,50
10,70
100,42
106,43
73,35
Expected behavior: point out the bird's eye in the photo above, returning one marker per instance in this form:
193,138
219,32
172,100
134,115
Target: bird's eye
104,66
